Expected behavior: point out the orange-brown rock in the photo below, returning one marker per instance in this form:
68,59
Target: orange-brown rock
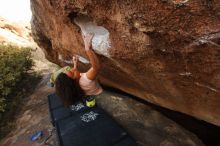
164,51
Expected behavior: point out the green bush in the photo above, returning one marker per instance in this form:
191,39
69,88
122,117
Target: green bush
14,63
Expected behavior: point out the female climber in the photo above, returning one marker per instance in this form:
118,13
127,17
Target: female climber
71,85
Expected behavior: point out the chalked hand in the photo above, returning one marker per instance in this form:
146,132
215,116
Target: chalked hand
75,60
88,40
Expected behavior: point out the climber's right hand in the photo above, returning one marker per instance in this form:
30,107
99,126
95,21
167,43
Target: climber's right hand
88,41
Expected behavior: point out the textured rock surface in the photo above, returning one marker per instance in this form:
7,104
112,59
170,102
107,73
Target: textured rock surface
146,125
166,51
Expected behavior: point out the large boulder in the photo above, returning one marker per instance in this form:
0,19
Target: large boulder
164,51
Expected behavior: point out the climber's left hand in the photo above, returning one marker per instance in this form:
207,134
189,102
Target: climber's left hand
75,61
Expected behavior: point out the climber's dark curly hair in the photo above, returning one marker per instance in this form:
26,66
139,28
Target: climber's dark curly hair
68,89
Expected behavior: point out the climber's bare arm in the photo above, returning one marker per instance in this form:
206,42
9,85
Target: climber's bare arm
93,71
95,66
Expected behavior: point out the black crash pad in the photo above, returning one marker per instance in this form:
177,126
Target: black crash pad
54,102
83,126
126,141
58,111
